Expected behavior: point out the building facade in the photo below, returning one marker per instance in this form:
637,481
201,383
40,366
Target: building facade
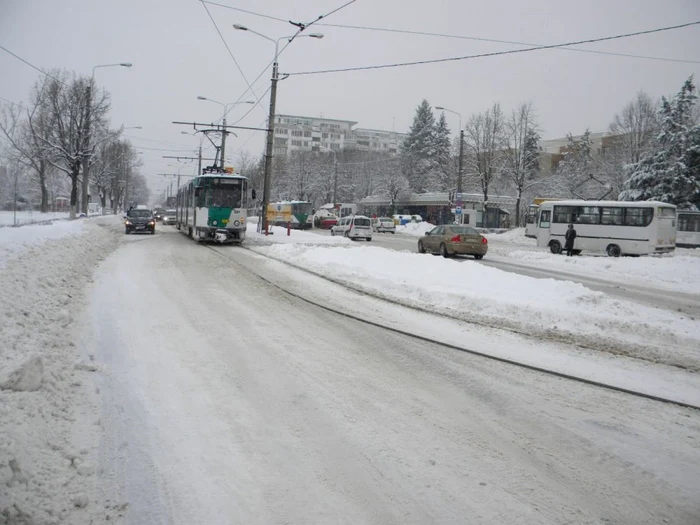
297,133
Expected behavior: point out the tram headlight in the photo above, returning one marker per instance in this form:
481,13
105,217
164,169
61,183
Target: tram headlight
215,223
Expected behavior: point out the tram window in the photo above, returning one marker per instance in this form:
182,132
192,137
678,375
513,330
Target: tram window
199,197
226,197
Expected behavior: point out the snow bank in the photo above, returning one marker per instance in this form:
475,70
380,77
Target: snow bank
417,229
14,241
673,272
279,236
559,310
49,421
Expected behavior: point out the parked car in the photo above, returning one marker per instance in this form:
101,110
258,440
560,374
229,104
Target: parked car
384,225
139,220
354,227
452,239
169,217
328,222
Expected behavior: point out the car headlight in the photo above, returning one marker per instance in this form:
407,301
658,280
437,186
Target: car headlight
152,223
128,223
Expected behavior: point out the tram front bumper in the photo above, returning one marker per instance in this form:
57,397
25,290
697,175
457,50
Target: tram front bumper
220,235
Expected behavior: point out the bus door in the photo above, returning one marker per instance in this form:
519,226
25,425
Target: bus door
544,221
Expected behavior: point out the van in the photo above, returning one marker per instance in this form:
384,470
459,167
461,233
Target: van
354,227
384,224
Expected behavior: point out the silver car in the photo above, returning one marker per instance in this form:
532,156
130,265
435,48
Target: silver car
451,239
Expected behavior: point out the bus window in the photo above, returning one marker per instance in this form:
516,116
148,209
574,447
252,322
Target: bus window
545,216
565,214
638,216
589,215
612,216
667,213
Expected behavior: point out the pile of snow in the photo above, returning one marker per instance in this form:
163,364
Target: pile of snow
559,310
14,241
279,236
673,272
417,229
49,419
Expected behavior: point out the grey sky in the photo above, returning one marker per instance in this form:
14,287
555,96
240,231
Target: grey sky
178,55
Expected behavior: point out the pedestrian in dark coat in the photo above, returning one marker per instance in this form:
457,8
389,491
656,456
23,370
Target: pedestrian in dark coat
570,237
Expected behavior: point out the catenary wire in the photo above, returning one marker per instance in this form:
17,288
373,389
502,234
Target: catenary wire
32,65
498,41
497,53
461,37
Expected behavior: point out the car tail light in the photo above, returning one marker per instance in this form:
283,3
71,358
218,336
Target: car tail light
456,238
484,240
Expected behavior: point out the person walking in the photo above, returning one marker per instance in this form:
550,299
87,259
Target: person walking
570,236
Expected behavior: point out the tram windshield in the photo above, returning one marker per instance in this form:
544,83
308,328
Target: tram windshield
226,197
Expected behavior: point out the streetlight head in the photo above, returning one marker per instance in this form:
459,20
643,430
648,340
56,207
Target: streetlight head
137,127
240,27
201,98
126,64
248,102
316,35
439,107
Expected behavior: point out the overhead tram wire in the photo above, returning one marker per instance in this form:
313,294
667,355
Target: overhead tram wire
246,11
497,41
496,53
32,65
301,27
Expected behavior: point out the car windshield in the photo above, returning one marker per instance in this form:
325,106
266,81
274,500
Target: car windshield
139,213
171,212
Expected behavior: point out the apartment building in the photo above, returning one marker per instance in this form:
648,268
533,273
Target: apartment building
297,133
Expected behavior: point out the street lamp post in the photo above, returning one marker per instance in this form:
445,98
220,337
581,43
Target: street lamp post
86,153
271,118
461,151
224,132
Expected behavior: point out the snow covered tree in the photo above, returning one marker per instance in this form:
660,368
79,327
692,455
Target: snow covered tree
483,140
444,175
420,150
671,171
574,172
392,181
522,152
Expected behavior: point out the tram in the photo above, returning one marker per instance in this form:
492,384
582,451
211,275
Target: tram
213,207
296,214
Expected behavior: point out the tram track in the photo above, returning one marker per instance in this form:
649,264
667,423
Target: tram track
450,346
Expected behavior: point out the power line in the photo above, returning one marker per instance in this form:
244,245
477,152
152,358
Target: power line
497,53
257,100
31,65
497,41
246,11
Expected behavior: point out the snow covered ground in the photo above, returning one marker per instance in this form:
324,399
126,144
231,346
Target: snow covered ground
544,308
7,218
49,422
279,236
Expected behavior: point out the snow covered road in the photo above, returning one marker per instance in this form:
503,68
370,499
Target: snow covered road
227,401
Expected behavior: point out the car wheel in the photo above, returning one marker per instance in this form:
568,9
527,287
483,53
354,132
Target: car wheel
443,251
332,233
127,232
153,232
555,247
369,239
613,250
393,233
421,248
478,256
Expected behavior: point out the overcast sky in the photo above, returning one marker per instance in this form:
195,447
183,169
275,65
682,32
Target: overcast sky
178,55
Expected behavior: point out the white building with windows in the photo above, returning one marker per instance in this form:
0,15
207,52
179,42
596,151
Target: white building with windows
297,133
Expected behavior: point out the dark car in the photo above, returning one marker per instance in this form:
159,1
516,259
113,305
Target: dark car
158,213
452,239
140,221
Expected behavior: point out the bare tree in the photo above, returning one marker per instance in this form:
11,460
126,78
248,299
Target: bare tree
635,129
521,152
67,142
393,182
483,143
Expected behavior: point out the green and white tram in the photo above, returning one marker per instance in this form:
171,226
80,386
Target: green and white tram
213,207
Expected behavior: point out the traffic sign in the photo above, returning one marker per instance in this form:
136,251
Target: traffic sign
458,196
458,210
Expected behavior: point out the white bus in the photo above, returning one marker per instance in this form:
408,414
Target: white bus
688,234
612,227
531,219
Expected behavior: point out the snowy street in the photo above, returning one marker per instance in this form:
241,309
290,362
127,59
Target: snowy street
212,396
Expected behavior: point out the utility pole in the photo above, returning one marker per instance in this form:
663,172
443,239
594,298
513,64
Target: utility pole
126,187
459,174
223,143
270,142
86,153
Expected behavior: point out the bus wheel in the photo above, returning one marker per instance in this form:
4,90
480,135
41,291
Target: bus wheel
555,247
613,250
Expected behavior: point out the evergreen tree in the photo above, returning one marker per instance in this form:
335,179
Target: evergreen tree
444,179
419,150
671,172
